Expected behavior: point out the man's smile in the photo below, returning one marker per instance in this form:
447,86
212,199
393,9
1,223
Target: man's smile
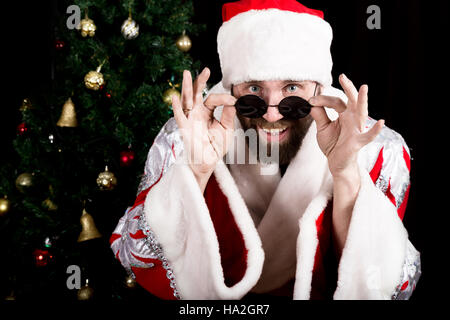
273,134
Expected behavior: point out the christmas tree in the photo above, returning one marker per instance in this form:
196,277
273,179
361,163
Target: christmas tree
81,147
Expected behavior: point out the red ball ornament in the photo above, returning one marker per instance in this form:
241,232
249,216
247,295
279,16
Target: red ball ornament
108,95
41,257
126,158
22,129
59,44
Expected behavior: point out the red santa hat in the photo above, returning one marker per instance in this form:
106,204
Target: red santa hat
273,40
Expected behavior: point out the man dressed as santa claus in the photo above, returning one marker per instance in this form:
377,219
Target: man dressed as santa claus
317,216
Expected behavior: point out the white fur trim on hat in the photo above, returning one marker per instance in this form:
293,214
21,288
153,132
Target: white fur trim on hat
275,44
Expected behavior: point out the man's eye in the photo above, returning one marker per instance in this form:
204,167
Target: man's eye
254,89
291,88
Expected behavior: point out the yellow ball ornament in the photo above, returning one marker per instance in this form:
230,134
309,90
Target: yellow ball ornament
86,292
24,182
106,180
94,80
87,27
5,206
167,95
184,43
130,282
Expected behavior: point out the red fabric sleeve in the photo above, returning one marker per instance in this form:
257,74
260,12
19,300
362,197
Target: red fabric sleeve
154,280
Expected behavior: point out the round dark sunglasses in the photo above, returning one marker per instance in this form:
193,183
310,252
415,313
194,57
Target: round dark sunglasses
293,107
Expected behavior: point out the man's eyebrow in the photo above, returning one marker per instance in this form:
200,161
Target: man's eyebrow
254,82
284,82
294,81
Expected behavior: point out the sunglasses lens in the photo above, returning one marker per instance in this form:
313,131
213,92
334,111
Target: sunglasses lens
251,106
294,107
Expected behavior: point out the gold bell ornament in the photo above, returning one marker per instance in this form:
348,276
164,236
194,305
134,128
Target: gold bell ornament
11,296
94,79
87,26
106,180
88,229
68,116
184,43
48,203
167,95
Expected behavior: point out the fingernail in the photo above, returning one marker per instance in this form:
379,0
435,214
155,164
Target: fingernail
343,76
312,101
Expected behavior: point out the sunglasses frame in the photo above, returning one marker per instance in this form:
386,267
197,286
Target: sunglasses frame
292,107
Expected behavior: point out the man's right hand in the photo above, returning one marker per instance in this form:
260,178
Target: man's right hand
205,139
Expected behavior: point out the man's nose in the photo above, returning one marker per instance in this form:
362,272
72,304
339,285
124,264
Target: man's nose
272,114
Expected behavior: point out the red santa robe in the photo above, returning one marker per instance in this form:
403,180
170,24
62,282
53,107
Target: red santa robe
180,243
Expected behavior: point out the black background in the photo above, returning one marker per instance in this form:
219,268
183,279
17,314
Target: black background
403,64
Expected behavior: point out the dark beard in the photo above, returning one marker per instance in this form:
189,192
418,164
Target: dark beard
288,149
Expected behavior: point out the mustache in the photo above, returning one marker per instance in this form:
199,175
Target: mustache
263,123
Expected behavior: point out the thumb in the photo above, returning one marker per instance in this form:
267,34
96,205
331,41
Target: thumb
370,135
320,117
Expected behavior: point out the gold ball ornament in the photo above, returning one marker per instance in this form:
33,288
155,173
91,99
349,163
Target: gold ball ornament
167,95
25,181
130,29
130,282
106,180
5,206
85,292
94,79
87,27
184,43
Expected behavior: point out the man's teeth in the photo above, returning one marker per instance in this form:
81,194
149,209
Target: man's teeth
274,131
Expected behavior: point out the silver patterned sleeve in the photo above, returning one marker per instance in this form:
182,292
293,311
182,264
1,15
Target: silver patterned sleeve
166,147
394,179
132,241
410,274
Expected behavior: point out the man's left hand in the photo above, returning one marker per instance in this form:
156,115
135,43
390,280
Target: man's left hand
341,140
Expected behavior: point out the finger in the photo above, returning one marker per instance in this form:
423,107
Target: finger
200,85
328,101
227,119
186,91
215,100
349,88
370,135
320,117
362,103
178,113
